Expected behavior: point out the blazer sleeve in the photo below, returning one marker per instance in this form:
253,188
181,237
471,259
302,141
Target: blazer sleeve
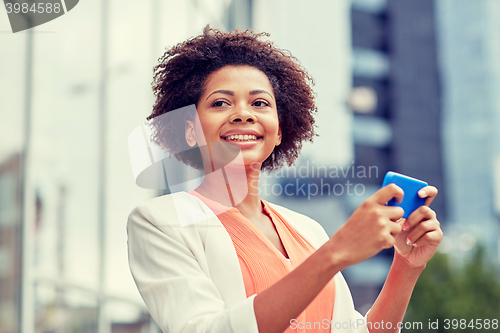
178,293
345,318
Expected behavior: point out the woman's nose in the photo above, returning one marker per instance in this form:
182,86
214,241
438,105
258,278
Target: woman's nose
242,115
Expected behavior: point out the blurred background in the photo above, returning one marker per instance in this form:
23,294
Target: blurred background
410,86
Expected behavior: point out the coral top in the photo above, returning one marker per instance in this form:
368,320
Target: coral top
262,264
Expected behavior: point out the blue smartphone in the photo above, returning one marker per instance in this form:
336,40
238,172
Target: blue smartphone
410,186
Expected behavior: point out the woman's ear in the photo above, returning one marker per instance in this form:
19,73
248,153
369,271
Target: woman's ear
278,141
190,135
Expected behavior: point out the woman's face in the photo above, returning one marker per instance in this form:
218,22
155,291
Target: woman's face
238,107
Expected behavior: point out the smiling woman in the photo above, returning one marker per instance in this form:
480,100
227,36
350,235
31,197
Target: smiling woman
241,264
238,107
181,77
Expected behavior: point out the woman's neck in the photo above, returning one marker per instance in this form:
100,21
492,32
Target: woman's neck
234,186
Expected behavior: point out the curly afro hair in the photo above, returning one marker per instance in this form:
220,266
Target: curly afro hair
180,76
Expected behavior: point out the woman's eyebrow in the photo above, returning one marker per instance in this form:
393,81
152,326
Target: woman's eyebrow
222,91
260,91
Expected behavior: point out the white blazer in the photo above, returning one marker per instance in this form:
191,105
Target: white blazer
189,275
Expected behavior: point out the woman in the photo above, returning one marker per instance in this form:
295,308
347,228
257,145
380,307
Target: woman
242,264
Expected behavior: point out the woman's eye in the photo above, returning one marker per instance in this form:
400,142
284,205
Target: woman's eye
260,103
219,103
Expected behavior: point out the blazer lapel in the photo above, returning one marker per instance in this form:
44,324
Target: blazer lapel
222,259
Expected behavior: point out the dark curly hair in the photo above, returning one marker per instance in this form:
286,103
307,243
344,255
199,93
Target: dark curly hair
179,80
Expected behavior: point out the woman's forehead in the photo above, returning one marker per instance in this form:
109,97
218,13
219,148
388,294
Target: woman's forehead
242,76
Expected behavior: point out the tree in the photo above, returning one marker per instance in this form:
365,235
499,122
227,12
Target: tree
471,295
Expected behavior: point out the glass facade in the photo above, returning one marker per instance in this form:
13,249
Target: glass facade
469,58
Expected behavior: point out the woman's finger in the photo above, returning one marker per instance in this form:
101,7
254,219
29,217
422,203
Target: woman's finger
388,192
431,237
394,229
428,192
421,230
421,213
394,213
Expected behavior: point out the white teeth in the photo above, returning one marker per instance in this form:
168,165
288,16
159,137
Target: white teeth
241,137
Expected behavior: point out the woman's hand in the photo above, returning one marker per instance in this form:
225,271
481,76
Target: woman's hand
371,228
421,234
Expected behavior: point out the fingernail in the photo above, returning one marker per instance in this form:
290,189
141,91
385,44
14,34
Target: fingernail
422,193
405,226
414,244
408,242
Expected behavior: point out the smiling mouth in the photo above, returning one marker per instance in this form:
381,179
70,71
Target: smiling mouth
241,138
